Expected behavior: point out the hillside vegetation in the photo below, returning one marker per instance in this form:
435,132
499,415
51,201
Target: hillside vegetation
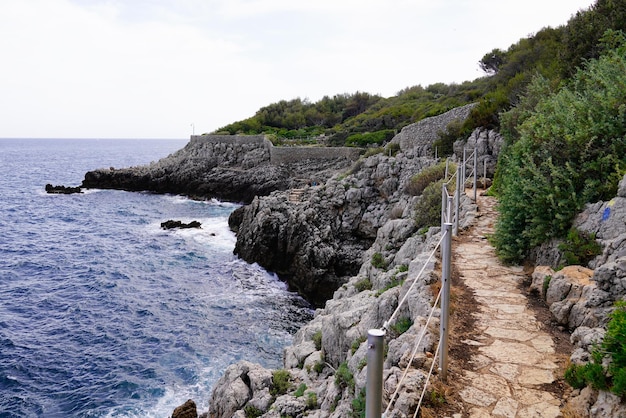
558,96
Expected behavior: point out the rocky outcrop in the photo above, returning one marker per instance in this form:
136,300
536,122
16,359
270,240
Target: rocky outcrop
487,144
172,224
317,243
581,298
62,189
186,410
230,168
365,216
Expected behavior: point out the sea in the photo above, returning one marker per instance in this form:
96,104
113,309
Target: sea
105,314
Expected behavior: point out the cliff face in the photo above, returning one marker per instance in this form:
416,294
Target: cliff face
230,168
363,215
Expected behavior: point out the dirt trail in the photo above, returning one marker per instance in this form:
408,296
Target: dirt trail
505,360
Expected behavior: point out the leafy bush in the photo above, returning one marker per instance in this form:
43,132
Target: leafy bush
367,138
252,411
613,347
429,175
428,207
570,151
445,139
281,382
579,247
363,284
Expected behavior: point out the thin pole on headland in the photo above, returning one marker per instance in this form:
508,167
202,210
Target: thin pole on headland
444,324
374,384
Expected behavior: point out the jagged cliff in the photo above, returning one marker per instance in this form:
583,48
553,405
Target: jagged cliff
369,203
230,168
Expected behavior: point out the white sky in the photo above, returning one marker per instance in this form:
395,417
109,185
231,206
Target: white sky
162,68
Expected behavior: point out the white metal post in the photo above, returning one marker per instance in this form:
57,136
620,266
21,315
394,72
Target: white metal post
475,172
485,174
444,325
457,198
374,383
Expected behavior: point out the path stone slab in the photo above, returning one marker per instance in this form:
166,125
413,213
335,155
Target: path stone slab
514,356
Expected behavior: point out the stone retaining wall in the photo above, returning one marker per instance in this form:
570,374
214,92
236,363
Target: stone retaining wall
279,155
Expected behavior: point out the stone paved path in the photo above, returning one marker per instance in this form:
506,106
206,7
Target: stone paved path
514,355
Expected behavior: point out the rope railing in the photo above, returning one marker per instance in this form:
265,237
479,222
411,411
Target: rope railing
395,312
449,227
414,352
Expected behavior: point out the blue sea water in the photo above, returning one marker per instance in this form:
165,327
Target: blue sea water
103,313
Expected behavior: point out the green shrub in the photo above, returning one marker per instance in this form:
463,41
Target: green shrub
445,139
252,411
367,138
317,340
311,400
364,284
402,268
319,367
428,207
343,376
281,382
358,405
579,247
432,174
393,283
613,346
575,376
570,151
402,325
378,261
300,391
356,344
392,149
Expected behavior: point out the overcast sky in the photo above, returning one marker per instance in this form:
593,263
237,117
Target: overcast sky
167,68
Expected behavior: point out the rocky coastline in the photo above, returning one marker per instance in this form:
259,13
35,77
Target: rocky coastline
341,232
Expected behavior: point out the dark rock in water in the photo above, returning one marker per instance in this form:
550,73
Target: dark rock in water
171,224
62,189
186,410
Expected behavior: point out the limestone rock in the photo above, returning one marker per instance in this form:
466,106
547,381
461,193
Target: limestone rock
540,276
186,410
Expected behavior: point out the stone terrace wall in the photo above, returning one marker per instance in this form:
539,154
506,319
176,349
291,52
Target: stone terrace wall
279,155
293,154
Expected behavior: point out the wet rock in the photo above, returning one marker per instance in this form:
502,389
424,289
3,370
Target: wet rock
171,224
62,189
186,410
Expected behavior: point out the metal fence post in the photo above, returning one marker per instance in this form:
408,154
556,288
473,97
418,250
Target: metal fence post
446,260
444,200
485,173
475,172
457,197
374,384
